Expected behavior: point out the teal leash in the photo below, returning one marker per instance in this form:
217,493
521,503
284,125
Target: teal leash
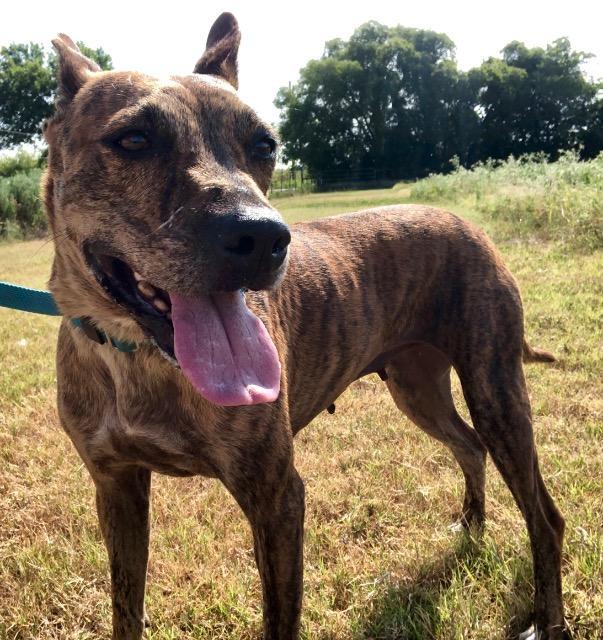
25,299
13,296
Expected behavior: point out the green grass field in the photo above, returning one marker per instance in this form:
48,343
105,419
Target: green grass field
382,561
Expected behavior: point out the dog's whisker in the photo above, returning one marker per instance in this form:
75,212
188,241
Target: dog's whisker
58,244
51,238
169,221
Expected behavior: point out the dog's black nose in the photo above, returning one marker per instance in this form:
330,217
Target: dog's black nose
254,246
260,239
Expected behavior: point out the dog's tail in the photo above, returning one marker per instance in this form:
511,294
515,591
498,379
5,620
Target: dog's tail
536,355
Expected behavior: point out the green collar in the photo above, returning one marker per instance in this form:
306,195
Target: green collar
13,296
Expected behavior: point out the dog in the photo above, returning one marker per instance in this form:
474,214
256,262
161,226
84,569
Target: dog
156,193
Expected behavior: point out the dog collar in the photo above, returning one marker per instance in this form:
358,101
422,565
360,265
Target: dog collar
13,296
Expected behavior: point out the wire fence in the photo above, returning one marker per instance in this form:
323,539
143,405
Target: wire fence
297,179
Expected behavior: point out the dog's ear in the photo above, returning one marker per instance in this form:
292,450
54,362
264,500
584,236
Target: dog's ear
220,57
74,67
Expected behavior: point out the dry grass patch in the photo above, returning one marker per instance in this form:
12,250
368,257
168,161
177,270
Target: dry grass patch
382,562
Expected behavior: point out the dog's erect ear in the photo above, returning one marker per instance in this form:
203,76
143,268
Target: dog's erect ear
220,57
74,67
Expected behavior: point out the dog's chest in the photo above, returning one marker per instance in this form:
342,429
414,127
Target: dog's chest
151,432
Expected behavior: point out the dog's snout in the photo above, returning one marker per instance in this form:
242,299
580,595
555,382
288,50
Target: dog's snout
255,246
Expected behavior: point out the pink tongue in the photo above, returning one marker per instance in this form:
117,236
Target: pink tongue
224,349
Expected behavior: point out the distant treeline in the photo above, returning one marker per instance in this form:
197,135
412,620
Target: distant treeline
392,100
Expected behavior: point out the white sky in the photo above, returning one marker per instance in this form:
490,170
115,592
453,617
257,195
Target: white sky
278,38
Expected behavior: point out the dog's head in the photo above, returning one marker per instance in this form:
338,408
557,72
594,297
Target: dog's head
156,195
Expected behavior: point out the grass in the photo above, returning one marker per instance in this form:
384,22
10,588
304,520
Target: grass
529,195
296,208
381,560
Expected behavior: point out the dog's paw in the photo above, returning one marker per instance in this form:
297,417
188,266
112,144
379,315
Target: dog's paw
530,634
457,527
473,531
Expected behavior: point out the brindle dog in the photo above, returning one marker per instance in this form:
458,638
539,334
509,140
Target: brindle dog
156,195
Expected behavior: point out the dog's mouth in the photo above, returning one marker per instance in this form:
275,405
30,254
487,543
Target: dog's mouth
151,307
222,348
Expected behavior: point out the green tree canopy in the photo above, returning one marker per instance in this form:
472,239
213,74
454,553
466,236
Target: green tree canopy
391,99
27,88
533,100
591,138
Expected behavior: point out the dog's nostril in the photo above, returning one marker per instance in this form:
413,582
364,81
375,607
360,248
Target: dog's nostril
244,246
280,246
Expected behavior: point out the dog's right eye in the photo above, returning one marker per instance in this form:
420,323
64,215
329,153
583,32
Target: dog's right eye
133,141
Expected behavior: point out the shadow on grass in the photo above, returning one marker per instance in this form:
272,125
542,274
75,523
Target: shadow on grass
424,608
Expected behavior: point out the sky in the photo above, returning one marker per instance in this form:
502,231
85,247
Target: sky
278,38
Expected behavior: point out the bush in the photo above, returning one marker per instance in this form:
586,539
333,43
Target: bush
21,211
562,199
21,161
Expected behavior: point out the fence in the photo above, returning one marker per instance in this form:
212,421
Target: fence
297,179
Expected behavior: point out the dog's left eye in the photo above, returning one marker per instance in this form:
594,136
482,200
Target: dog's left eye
133,141
264,148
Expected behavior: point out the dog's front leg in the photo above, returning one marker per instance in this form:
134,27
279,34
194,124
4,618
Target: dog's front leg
278,542
123,509
275,509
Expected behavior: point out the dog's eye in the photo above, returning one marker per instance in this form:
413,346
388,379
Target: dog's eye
133,141
264,148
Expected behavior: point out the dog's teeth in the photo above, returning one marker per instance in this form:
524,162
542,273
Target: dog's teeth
147,290
137,276
160,304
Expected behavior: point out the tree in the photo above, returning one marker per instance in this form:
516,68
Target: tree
533,100
99,55
27,87
591,136
390,99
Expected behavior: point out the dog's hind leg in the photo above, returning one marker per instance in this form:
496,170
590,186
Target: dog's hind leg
495,390
272,498
123,509
419,382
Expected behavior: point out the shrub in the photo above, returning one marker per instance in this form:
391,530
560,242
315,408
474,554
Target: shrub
21,212
562,199
19,162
